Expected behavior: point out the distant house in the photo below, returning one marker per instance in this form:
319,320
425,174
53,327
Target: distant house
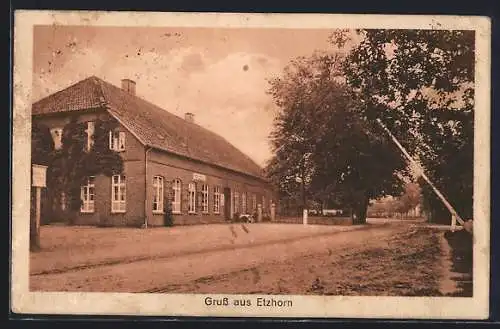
209,179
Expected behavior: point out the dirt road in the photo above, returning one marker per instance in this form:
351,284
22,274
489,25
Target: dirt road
67,248
389,259
403,265
396,262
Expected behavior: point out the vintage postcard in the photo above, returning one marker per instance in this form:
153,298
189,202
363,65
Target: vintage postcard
255,165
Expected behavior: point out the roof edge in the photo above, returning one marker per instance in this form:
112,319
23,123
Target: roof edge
159,148
72,84
110,110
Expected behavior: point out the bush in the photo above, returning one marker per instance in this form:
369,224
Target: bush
236,217
104,221
168,219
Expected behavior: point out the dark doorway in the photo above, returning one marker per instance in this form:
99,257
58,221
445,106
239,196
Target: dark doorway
227,203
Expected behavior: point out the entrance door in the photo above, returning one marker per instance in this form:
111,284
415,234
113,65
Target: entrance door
227,203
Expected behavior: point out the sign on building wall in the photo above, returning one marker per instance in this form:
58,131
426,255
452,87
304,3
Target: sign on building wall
199,177
38,178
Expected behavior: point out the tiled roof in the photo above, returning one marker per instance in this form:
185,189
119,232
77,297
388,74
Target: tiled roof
155,126
83,95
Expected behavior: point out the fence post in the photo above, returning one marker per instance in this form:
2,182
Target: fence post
304,217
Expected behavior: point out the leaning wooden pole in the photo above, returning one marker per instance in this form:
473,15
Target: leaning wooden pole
452,210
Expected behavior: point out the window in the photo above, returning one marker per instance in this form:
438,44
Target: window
244,202
157,194
90,135
204,198
63,201
191,198
117,140
254,202
264,203
57,137
118,194
217,200
87,194
236,202
176,202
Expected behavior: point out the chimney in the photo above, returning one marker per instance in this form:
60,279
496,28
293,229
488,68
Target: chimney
189,117
129,86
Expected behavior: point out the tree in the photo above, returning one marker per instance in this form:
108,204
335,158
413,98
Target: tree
420,83
409,199
322,143
291,168
42,144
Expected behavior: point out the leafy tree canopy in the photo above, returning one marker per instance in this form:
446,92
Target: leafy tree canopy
323,149
420,83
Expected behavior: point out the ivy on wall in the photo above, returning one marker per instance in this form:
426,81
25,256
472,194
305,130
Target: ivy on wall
71,164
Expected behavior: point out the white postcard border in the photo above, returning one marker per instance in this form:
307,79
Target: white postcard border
24,301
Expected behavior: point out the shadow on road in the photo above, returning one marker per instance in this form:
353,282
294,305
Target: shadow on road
461,245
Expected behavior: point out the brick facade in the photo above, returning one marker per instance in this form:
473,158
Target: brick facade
142,123
170,167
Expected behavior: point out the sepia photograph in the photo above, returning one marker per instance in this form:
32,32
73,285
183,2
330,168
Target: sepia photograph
252,165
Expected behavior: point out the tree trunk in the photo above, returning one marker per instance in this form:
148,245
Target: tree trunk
359,212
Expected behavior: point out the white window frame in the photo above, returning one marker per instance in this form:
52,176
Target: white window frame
217,200
63,200
117,140
264,203
87,194
118,200
176,202
158,194
90,134
56,134
192,198
244,202
254,202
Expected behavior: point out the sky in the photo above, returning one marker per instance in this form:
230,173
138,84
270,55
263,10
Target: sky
220,75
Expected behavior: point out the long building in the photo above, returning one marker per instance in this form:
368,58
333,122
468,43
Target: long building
209,179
